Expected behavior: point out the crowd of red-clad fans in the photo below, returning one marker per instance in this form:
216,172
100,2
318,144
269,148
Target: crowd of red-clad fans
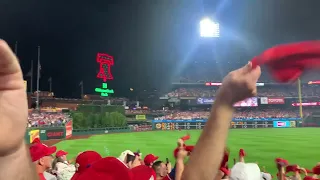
36,119
91,165
276,91
53,164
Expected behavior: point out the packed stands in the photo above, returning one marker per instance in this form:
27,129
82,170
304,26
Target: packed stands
36,119
278,91
267,113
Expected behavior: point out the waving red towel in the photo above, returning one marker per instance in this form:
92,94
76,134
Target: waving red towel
288,61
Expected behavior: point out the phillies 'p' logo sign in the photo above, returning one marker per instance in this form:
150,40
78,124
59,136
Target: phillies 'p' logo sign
105,61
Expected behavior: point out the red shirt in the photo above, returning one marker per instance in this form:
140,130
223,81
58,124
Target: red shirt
41,176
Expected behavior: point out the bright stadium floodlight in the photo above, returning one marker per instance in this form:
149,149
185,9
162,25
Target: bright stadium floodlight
208,28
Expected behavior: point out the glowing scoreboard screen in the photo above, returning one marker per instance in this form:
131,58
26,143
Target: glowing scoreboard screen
199,124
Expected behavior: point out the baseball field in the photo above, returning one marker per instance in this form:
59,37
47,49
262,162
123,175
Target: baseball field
297,145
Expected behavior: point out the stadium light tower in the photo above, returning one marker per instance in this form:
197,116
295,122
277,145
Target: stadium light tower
209,28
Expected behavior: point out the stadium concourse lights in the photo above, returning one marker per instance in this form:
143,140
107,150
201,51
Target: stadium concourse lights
209,28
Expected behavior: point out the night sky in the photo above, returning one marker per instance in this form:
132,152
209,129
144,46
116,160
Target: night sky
152,41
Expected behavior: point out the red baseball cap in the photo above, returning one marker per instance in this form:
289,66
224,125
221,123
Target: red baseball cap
39,150
150,158
109,168
143,172
61,153
85,159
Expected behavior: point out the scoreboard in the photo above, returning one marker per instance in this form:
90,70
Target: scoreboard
199,124
251,124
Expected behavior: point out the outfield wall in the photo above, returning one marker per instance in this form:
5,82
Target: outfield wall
242,123
45,133
65,132
48,133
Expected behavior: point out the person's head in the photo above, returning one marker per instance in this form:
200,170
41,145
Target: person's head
245,171
132,161
105,168
266,176
150,159
129,159
160,168
86,159
41,156
45,162
61,157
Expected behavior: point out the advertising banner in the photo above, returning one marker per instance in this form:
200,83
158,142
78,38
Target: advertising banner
284,124
69,129
272,100
34,134
205,101
307,104
141,117
250,102
234,119
55,133
142,128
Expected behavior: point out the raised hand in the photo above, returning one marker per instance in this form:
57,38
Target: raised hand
13,102
182,153
240,84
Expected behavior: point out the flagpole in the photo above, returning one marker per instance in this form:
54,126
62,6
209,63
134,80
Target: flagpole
31,76
81,89
50,85
38,78
300,99
16,48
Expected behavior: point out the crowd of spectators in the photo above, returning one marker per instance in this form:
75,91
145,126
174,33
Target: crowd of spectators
267,113
147,111
275,91
130,165
36,119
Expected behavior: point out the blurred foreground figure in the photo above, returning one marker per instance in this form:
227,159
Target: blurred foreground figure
207,154
14,156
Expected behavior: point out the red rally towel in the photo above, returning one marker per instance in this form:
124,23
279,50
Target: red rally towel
242,153
316,169
36,140
309,178
292,168
186,137
288,61
225,159
187,148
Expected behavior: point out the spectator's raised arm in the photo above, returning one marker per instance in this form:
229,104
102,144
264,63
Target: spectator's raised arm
15,160
207,154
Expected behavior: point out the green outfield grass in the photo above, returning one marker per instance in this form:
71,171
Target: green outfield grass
297,145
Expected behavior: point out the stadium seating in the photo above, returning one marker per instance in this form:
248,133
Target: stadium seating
36,119
269,91
267,113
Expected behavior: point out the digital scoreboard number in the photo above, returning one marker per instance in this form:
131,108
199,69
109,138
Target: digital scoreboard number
185,125
179,125
251,124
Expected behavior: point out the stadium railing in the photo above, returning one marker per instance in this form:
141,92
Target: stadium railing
96,131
